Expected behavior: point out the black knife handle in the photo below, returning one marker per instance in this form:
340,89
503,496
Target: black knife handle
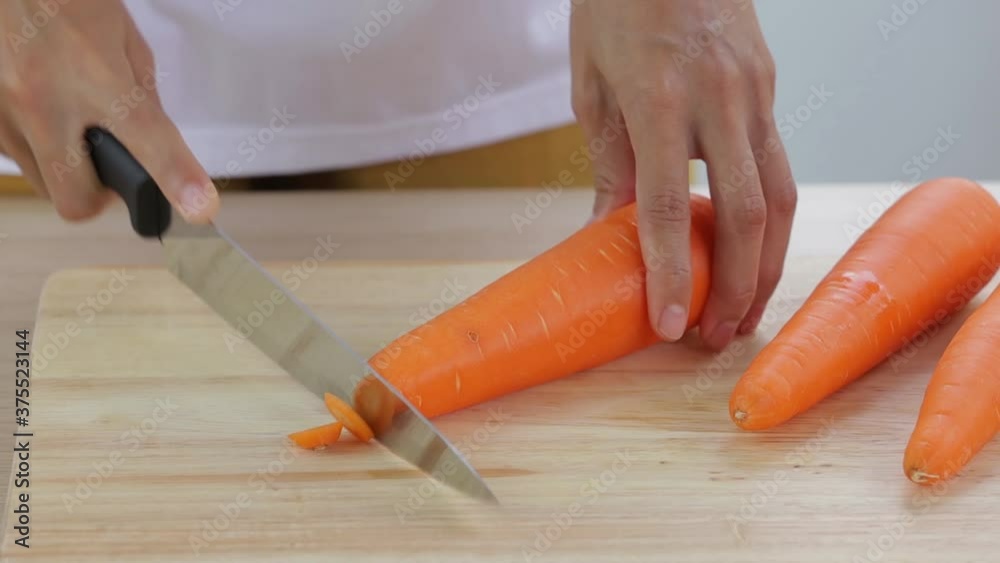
120,171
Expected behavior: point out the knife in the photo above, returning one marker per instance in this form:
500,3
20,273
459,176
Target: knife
229,281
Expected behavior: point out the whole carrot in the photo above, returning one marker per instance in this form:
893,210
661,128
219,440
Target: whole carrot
961,409
924,259
578,305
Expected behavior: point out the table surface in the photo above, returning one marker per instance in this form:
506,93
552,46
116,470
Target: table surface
406,225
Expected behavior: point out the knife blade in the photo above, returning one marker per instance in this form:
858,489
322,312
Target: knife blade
236,287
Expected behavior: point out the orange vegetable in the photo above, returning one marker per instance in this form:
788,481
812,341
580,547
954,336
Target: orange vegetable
578,305
317,437
348,417
924,259
961,409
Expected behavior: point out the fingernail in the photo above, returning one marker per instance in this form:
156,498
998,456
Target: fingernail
749,325
673,322
195,199
722,334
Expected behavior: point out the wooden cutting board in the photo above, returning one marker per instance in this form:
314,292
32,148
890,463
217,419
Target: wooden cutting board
157,440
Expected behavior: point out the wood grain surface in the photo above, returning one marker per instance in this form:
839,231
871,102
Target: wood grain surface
157,439
847,496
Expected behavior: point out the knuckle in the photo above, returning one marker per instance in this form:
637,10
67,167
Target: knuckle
20,93
586,106
783,199
769,278
725,73
749,216
657,97
143,52
741,295
76,209
765,72
605,184
667,211
672,276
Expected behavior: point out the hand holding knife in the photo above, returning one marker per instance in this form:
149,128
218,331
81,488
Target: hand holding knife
227,279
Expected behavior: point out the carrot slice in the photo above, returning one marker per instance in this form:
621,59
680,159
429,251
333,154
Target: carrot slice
961,409
348,417
922,261
579,305
317,437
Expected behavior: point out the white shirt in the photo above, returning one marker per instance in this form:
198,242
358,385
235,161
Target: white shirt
278,87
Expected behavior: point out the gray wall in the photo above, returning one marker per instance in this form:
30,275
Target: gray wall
940,69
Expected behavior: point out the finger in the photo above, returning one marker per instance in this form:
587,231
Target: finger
53,130
778,186
63,163
659,137
614,163
156,143
183,180
141,61
741,215
603,125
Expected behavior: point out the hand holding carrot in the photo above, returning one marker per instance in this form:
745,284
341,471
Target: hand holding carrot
684,80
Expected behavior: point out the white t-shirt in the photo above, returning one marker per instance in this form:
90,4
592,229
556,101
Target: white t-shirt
286,87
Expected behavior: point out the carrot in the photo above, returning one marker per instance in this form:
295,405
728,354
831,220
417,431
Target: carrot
924,259
348,417
317,437
961,409
578,305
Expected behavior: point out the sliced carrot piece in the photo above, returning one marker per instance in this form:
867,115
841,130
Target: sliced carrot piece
348,417
317,437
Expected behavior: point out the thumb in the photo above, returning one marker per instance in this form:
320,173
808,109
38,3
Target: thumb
157,144
613,165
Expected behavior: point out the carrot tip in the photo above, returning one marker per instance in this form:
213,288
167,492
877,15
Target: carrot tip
921,478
